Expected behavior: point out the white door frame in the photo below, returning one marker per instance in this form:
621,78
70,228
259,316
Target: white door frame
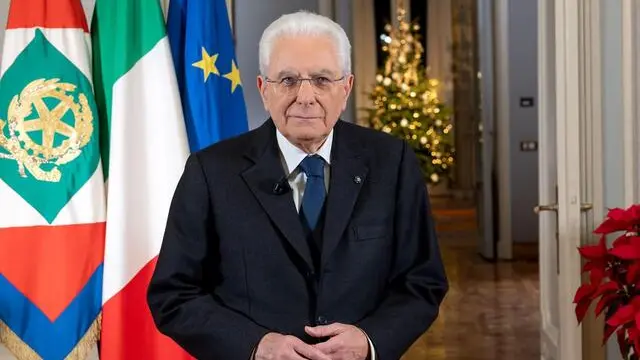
570,93
550,331
591,157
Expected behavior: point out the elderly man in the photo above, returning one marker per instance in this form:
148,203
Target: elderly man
306,238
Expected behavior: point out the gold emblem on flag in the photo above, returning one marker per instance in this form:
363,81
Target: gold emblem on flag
42,158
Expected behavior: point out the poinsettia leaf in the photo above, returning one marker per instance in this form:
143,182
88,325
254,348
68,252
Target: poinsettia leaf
605,288
622,342
637,321
633,240
596,276
604,302
624,315
636,346
581,309
617,214
608,331
632,272
620,240
614,306
635,302
626,252
585,291
634,212
594,252
620,220
592,264
630,215
633,336
611,225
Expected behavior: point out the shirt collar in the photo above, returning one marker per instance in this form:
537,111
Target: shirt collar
294,155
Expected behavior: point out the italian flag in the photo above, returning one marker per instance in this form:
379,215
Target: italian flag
145,148
52,197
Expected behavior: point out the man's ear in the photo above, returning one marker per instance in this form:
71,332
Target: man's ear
260,83
347,87
262,89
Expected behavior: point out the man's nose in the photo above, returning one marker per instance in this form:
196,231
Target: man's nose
306,95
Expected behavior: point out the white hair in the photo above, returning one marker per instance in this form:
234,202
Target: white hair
304,23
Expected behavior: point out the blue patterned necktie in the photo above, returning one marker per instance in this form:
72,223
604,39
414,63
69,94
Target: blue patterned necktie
314,191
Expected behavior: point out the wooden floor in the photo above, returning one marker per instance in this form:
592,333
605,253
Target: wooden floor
491,311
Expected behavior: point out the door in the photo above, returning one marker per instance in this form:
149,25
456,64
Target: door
569,121
548,185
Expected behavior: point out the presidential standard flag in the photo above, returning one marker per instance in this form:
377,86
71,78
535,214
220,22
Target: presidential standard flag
52,206
145,149
208,76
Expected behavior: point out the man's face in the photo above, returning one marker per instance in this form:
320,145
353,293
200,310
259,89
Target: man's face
305,111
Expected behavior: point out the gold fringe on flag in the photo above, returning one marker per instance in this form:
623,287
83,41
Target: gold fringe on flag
88,341
15,345
22,351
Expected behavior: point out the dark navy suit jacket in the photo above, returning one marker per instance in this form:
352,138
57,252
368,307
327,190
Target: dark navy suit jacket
235,264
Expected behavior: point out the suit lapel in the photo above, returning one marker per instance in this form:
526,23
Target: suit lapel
261,178
348,174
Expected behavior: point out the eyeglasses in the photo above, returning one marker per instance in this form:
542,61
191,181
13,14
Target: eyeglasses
290,85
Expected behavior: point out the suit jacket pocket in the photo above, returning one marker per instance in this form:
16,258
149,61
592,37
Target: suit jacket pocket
369,232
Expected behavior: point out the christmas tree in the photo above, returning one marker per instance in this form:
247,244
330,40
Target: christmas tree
406,101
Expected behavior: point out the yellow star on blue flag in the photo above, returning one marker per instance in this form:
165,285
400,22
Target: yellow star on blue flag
206,68
208,64
234,76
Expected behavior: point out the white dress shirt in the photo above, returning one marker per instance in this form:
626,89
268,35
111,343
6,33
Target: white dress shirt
292,156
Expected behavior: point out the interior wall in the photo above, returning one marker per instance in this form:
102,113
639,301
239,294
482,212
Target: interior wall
516,121
523,118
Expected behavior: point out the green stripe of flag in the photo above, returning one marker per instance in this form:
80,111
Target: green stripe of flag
122,32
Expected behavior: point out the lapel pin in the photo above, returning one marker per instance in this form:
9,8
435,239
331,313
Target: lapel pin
357,179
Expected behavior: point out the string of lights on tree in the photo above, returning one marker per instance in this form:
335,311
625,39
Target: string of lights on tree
405,101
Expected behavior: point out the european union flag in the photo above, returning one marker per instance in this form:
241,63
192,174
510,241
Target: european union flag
203,53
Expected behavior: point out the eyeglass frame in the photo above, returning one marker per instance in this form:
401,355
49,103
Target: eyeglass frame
300,80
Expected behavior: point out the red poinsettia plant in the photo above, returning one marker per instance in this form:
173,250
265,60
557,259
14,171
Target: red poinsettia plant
614,279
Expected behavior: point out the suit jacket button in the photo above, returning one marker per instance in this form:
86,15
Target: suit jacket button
321,320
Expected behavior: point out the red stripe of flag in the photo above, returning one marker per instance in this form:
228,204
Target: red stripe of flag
128,330
47,14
